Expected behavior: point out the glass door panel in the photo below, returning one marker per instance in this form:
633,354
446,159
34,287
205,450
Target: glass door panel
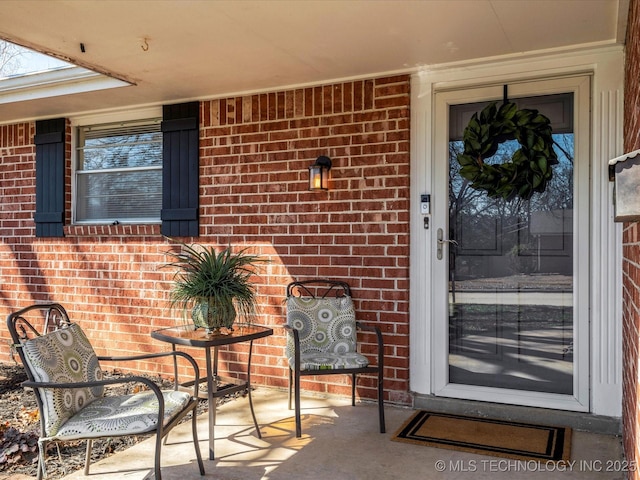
511,269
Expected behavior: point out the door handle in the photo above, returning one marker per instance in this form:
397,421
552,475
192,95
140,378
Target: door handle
441,242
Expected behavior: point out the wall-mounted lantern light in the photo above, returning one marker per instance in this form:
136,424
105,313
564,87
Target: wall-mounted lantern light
625,172
319,174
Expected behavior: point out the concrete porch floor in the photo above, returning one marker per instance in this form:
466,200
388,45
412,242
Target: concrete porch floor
339,442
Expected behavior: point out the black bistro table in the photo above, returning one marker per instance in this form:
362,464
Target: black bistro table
217,386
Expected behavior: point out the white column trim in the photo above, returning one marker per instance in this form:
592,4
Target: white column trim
420,182
606,254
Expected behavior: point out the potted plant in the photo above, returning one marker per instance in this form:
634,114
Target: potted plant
214,286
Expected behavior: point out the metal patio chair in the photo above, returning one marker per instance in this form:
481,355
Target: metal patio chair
322,339
64,372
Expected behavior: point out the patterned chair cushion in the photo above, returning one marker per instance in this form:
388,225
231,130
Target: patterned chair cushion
122,415
63,355
66,355
327,332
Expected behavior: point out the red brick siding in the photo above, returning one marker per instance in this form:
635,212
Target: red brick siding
631,254
255,151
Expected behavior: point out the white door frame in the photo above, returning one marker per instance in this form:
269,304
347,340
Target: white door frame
605,66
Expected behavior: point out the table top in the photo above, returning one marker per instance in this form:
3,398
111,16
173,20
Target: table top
190,336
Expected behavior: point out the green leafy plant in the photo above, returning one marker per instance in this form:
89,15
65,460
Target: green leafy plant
215,286
530,167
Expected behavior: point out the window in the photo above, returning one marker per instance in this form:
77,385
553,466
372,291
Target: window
118,175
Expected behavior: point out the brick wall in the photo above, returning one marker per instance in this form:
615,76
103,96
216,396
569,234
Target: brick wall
255,151
631,254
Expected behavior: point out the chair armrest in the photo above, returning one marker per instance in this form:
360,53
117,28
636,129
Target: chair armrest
378,332
364,326
294,332
95,383
174,353
371,328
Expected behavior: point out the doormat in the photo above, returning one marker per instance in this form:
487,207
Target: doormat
516,440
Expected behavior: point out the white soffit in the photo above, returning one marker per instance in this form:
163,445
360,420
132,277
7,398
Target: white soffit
30,75
65,81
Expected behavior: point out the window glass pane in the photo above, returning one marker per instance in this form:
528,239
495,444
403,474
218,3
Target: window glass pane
119,172
511,275
120,195
123,151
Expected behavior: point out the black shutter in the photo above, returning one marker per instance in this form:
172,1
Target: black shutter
49,141
180,147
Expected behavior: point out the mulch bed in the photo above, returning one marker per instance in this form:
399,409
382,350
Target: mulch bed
19,430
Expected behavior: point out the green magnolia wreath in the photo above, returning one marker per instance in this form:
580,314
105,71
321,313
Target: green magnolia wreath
528,171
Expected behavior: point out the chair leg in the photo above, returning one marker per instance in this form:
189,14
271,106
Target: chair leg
383,427
156,462
194,429
353,389
290,386
42,453
87,457
297,402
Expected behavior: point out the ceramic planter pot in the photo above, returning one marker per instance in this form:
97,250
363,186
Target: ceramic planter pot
213,316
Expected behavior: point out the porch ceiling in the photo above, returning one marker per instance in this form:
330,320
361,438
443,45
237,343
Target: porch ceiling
192,49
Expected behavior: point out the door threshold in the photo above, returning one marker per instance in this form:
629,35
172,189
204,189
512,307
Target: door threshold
587,422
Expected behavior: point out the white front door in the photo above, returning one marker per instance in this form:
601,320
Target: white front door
511,277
